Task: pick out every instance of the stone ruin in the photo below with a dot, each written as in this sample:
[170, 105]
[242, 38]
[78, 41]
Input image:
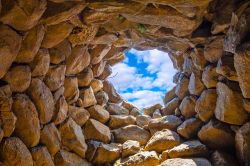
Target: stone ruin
[58, 108]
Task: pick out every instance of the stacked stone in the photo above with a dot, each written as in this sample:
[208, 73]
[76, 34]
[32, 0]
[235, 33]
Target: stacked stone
[58, 108]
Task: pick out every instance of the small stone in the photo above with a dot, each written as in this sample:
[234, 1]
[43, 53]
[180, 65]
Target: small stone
[130, 148]
[189, 128]
[71, 91]
[85, 77]
[40, 65]
[102, 98]
[150, 110]
[220, 158]
[129, 106]
[79, 115]
[187, 107]
[114, 97]
[189, 162]
[5, 98]
[96, 85]
[98, 113]
[117, 121]
[115, 109]
[88, 97]
[8, 121]
[41, 156]
[143, 120]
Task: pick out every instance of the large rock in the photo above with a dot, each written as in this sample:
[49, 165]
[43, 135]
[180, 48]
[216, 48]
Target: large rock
[143, 120]
[171, 106]
[163, 140]
[242, 144]
[114, 97]
[88, 97]
[102, 98]
[79, 115]
[182, 88]
[27, 124]
[71, 91]
[189, 162]
[130, 148]
[205, 105]
[116, 109]
[55, 77]
[187, 106]
[59, 53]
[211, 134]
[107, 71]
[210, 77]
[142, 158]
[220, 158]
[98, 53]
[51, 137]
[169, 95]
[85, 77]
[41, 156]
[61, 111]
[186, 149]
[97, 131]
[8, 51]
[19, 78]
[189, 128]
[96, 85]
[117, 121]
[5, 98]
[43, 100]
[229, 106]
[131, 132]
[195, 85]
[14, 152]
[98, 113]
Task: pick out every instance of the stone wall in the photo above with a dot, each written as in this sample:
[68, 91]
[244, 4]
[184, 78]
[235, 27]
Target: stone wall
[58, 108]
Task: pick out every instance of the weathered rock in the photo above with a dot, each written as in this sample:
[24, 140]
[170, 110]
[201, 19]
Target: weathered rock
[8, 121]
[117, 121]
[98, 68]
[107, 71]
[61, 111]
[171, 106]
[130, 148]
[209, 76]
[195, 85]
[114, 97]
[14, 152]
[55, 77]
[5, 98]
[85, 77]
[143, 120]
[11, 43]
[229, 106]
[97, 131]
[170, 122]
[98, 113]
[73, 138]
[135, 112]
[78, 60]
[41, 156]
[211, 134]
[169, 95]
[102, 98]
[242, 144]
[30, 44]
[182, 88]
[129, 106]
[187, 106]
[115, 109]
[220, 158]
[205, 105]
[156, 114]
[40, 65]
[150, 110]
[131, 132]
[43, 100]
[189, 162]
[71, 91]
[96, 85]
[18, 78]
[143, 158]
[51, 137]
[163, 140]
[213, 49]
[79, 115]
[27, 124]
[189, 128]
[88, 97]
[198, 58]
[60, 52]
[107, 153]
[98, 53]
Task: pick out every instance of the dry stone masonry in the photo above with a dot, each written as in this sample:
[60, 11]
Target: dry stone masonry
[57, 107]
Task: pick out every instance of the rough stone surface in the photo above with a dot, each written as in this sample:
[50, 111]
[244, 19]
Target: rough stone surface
[117, 121]
[88, 97]
[189, 162]
[41, 156]
[130, 148]
[187, 107]
[143, 120]
[115, 109]
[98, 113]
[220, 158]
[79, 115]
[189, 128]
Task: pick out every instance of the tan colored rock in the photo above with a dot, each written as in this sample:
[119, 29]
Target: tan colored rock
[18, 78]
[205, 105]
[186, 149]
[163, 140]
[242, 144]
[189, 162]
[129, 106]
[98, 53]
[187, 106]
[79, 115]
[61, 111]
[107, 153]
[98, 113]
[229, 106]
[220, 158]
[189, 128]
[107, 38]
[30, 44]
[73, 138]
[142, 158]
[135, 112]
[195, 85]
[78, 60]
[170, 122]
[8, 51]
[114, 97]
[8, 121]
[96, 85]
[41, 156]
[171, 106]
[150, 110]
[92, 148]
[55, 34]
[40, 65]
[51, 137]
[131, 132]
[85, 77]
[156, 114]
[88, 97]
[14, 152]
[65, 158]
[55, 77]
[98, 68]
[117, 121]
[27, 124]
[107, 71]
[182, 88]
[211, 134]
[97, 131]
[214, 49]
[198, 58]
[71, 91]
[143, 120]
[130, 148]
[1, 134]
[60, 52]
[210, 77]
[169, 95]
[102, 98]
[5, 98]
[115, 109]
[43, 100]
[246, 104]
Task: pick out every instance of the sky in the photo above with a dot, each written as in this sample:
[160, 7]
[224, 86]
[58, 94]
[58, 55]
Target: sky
[143, 77]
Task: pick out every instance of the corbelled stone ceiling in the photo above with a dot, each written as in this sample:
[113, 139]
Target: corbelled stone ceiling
[58, 108]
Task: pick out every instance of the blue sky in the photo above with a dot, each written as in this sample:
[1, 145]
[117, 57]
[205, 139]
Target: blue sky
[143, 77]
